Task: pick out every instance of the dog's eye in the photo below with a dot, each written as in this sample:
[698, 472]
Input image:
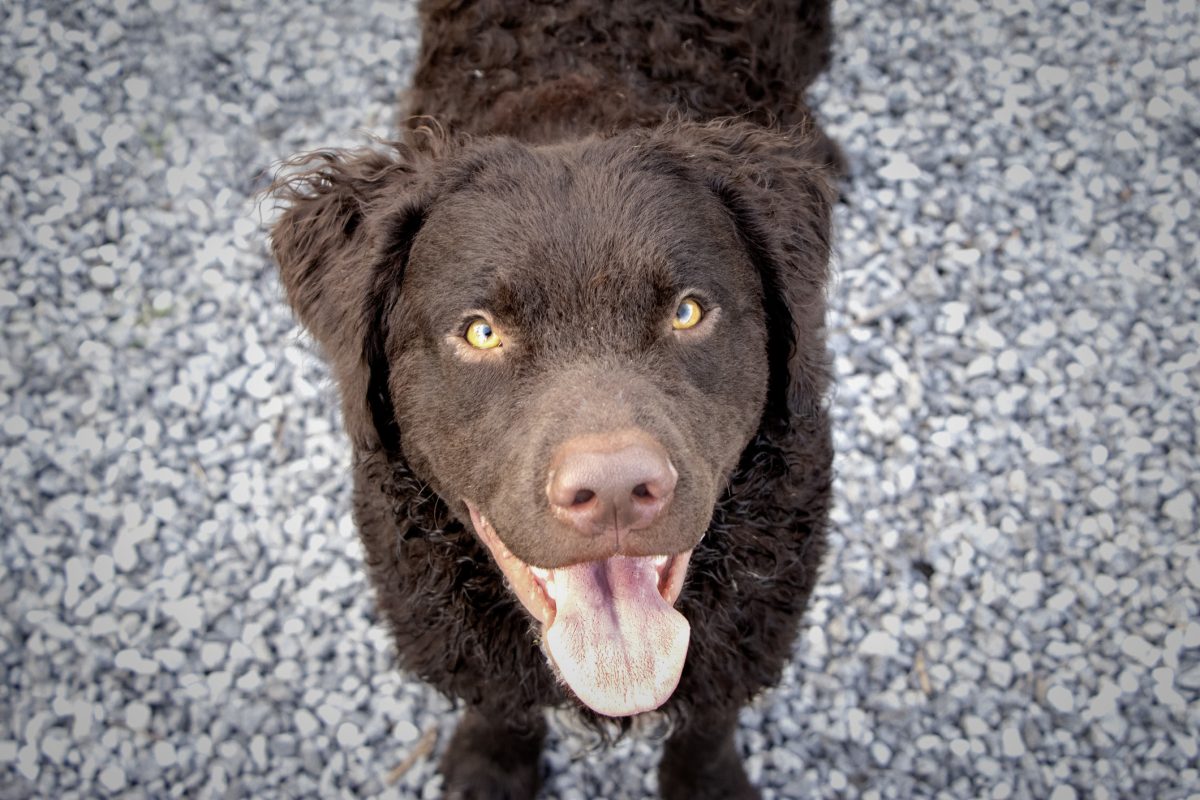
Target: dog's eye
[687, 315]
[480, 335]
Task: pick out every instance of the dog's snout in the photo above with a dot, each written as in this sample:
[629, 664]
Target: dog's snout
[599, 483]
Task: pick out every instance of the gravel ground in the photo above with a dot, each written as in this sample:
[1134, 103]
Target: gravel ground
[1010, 608]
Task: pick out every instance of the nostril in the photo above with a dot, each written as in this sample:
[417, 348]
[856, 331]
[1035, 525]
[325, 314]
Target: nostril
[597, 482]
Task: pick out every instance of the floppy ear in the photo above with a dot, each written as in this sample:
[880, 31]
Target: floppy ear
[778, 188]
[342, 245]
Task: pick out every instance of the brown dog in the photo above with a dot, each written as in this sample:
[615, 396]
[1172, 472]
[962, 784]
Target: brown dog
[579, 342]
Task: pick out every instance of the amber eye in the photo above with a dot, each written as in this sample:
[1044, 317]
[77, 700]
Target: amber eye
[480, 335]
[687, 315]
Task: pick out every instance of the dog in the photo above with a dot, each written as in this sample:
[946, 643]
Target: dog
[576, 316]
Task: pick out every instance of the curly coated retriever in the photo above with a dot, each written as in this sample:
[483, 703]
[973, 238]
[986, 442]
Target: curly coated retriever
[576, 317]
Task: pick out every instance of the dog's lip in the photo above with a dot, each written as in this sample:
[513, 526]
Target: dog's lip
[534, 586]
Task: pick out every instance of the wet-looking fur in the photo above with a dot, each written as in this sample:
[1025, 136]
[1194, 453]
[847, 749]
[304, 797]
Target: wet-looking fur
[581, 166]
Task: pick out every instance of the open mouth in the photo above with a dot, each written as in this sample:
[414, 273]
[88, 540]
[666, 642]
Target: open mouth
[609, 626]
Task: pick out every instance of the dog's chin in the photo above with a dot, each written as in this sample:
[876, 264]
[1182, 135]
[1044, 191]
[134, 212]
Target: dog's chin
[609, 627]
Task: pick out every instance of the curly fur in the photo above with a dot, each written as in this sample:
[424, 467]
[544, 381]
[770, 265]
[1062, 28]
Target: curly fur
[432, 574]
[664, 80]
[496, 67]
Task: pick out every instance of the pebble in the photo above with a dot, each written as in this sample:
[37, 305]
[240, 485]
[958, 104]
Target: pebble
[258, 750]
[137, 716]
[1000, 672]
[112, 778]
[900, 168]
[1125, 141]
[165, 754]
[1180, 507]
[103, 277]
[955, 315]
[1017, 177]
[348, 735]
[405, 732]
[1158, 108]
[306, 723]
[187, 612]
[135, 662]
[879, 643]
[54, 746]
[137, 88]
[981, 365]
[1052, 77]
[212, 654]
[1061, 699]
[1103, 497]
[258, 385]
[1012, 743]
[1138, 648]
[1044, 456]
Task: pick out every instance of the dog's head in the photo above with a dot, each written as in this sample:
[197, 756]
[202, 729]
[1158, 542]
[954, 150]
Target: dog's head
[573, 345]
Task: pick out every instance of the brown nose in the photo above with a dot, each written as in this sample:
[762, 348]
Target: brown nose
[604, 481]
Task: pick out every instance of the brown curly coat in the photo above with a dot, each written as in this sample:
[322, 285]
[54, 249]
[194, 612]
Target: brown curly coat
[704, 94]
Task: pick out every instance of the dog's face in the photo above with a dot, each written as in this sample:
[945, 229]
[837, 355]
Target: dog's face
[621, 314]
[572, 345]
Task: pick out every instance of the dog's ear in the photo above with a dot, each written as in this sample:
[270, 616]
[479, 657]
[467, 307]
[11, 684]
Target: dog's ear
[342, 244]
[778, 189]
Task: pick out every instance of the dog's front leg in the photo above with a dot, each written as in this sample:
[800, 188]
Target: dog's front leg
[700, 762]
[491, 758]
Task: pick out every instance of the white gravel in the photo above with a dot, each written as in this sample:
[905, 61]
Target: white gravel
[1010, 608]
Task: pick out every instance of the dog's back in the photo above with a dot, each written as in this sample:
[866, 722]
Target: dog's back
[545, 71]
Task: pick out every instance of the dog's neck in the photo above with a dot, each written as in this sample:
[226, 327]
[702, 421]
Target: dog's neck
[565, 108]
[546, 108]
[543, 73]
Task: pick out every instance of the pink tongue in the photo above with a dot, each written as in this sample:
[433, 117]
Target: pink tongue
[616, 641]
